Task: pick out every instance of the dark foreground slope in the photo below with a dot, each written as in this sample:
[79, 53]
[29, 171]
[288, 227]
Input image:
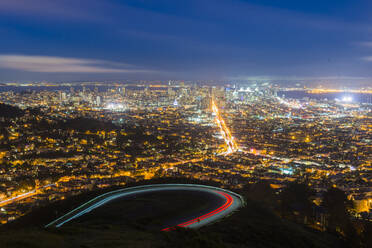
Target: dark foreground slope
[252, 226]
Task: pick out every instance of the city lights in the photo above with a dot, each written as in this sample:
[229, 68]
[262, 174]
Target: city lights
[82, 137]
[115, 106]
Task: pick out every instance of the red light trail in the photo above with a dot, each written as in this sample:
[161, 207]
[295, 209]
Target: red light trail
[232, 202]
[227, 204]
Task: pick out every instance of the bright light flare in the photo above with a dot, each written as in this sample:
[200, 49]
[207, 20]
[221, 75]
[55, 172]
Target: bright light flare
[347, 99]
[115, 106]
[291, 104]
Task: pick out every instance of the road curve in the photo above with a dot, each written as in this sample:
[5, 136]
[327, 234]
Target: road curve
[232, 201]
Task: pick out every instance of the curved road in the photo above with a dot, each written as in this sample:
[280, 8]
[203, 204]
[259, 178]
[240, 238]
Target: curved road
[231, 202]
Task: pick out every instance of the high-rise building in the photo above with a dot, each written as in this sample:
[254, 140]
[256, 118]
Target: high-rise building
[62, 96]
[205, 102]
[171, 92]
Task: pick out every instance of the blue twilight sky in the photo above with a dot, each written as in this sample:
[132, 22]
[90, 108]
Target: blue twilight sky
[175, 39]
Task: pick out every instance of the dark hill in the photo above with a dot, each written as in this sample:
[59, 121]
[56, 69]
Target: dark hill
[8, 111]
[252, 226]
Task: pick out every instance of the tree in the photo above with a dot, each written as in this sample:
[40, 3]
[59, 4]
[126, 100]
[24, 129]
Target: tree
[295, 200]
[367, 234]
[8, 111]
[262, 192]
[337, 205]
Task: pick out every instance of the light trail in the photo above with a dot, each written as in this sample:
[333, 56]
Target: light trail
[23, 196]
[233, 202]
[18, 197]
[232, 146]
[229, 201]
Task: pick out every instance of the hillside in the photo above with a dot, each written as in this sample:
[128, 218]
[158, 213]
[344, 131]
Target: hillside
[252, 226]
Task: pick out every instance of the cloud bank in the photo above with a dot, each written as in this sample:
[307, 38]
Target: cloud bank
[365, 43]
[368, 58]
[48, 64]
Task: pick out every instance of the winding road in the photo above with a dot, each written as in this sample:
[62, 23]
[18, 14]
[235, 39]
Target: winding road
[230, 203]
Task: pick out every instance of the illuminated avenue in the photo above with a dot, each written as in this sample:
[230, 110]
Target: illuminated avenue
[225, 132]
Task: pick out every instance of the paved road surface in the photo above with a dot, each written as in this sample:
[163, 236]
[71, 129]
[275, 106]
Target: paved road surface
[231, 202]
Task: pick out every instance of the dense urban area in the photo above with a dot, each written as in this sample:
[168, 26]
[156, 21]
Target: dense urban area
[61, 140]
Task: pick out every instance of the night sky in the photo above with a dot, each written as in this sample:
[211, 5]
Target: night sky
[174, 39]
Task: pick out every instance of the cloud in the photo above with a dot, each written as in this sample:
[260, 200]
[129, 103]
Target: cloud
[367, 58]
[365, 43]
[62, 65]
[65, 9]
[254, 78]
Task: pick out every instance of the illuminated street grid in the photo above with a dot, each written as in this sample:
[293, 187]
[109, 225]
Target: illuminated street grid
[231, 135]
